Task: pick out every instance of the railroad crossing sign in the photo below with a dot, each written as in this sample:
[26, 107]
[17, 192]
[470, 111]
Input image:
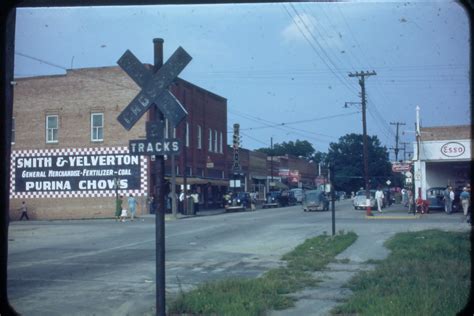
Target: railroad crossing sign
[154, 88]
[155, 143]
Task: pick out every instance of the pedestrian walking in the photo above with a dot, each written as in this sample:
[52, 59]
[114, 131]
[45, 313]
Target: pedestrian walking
[181, 202]
[404, 197]
[24, 211]
[132, 206]
[410, 201]
[118, 208]
[465, 199]
[379, 196]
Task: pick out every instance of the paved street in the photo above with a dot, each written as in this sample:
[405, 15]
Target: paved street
[104, 267]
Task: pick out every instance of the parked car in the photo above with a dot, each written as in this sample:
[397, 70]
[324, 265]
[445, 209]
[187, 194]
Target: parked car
[239, 200]
[315, 200]
[297, 194]
[360, 200]
[435, 198]
[281, 198]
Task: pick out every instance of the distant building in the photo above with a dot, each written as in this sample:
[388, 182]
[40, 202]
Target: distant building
[442, 158]
[69, 151]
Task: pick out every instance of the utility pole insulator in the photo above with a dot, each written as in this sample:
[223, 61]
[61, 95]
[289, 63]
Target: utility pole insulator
[396, 138]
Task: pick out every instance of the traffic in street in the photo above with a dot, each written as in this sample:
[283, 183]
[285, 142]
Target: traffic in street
[105, 267]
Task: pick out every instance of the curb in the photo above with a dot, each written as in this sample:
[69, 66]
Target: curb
[394, 217]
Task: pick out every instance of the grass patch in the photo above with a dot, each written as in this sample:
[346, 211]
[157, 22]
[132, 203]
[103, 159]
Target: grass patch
[427, 273]
[255, 296]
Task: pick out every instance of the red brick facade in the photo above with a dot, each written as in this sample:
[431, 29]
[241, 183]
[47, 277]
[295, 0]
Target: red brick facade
[72, 99]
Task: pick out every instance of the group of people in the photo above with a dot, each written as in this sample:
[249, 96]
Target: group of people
[121, 213]
[464, 196]
[181, 199]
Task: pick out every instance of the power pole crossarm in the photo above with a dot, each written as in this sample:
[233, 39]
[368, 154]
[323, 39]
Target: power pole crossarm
[396, 138]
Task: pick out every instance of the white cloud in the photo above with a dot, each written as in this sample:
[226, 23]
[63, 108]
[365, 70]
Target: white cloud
[305, 27]
[300, 27]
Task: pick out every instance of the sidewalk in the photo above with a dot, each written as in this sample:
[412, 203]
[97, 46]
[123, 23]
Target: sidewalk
[359, 257]
[170, 217]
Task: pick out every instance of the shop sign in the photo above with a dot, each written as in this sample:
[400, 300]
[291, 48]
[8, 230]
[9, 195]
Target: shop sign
[209, 162]
[75, 174]
[400, 167]
[294, 176]
[283, 172]
[453, 149]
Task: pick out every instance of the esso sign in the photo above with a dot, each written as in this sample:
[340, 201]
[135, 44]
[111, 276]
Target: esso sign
[453, 149]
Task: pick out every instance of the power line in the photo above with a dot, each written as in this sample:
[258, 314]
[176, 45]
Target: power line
[302, 121]
[314, 48]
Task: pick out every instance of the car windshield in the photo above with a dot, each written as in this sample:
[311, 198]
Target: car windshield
[362, 193]
[434, 192]
[317, 195]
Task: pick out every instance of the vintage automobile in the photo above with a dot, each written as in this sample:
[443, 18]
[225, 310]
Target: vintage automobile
[435, 198]
[297, 195]
[238, 201]
[315, 200]
[360, 200]
[277, 199]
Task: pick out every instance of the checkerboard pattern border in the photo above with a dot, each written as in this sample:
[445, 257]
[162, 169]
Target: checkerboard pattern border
[76, 152]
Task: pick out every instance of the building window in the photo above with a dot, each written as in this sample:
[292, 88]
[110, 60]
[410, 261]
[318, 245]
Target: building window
[97, 127]
[221, 149]
[187, 134]
[52, 127]
[210, 140]
[199, 137]
[215, 141]
[167, 128]
[13, 130]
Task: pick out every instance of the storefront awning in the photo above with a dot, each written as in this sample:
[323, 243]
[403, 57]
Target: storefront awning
[279, 185]
[259, 178]
[199, 181]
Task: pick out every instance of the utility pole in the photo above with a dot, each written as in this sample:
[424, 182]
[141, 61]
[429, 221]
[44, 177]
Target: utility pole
[396, 139]
[404, 149]
[271, 163]
[362, 76]
[158, 166]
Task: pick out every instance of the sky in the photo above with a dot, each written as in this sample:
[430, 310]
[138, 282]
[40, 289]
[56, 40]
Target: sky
[283, 67]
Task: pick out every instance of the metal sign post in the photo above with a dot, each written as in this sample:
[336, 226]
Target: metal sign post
[154, 84]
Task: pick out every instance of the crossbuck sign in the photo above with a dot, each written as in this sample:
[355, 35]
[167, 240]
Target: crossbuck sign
[154, 88]
[154, 91]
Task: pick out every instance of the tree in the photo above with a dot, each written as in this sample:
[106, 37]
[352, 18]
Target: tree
[298, 148]
[347, 157]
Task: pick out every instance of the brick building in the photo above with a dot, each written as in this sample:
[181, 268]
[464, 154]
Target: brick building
[293, 172]
[70, 155]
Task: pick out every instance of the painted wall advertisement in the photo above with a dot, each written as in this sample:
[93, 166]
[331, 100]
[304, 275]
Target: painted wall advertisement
[93, 172]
